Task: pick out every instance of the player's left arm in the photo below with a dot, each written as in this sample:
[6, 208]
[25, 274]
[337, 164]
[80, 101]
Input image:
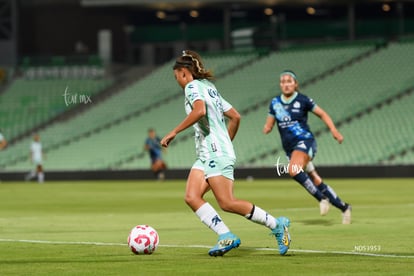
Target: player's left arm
[234, 122]
[329, 123]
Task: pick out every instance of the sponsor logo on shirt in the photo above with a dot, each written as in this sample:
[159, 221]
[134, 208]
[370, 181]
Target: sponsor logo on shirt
[296, 104]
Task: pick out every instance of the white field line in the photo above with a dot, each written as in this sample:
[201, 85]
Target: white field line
[207, 247]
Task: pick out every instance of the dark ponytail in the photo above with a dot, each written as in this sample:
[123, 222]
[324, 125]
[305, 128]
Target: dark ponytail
[192, 61]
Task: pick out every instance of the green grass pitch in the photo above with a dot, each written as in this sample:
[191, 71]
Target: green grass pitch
[80, 228]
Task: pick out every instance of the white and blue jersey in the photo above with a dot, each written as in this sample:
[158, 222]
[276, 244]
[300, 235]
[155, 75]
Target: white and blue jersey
[211, 135]
[292, 120]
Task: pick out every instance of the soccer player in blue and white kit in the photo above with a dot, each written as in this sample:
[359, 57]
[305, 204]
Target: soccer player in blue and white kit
[214, 166]
[290, 111]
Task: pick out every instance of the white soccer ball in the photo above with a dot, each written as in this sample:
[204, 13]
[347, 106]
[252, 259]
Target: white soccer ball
[143, 239]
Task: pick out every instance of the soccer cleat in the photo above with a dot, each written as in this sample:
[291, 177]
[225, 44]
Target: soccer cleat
[282, 235]
[324, 206]
[225, 243]
[346, 215]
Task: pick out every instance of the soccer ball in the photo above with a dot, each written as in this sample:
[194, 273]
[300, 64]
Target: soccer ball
[143, 239]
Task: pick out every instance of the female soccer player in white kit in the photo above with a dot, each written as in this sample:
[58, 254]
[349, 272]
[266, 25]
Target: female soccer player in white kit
[36, 156]
[214, 166]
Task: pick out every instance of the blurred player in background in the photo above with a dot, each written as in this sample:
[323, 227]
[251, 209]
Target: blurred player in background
[214, 166]
[290, 111]
[153, 146]
[3, 141]
[36, 157]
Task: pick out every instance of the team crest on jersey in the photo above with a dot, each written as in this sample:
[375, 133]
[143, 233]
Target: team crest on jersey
[286, 118]
[193, 96]
[296, 104]
[213, 93]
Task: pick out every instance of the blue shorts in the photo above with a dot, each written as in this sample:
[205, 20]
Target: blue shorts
[307, 146]
[219, 166]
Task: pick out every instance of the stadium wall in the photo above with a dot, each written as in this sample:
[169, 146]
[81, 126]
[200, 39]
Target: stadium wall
[263, 173]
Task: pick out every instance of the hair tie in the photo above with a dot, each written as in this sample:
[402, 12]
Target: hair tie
[196, 62]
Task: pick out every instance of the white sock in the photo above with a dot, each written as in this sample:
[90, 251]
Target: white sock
[210, 217]
[262, 217]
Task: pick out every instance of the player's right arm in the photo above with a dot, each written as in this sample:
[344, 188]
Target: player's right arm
[146, 146]
[270, 122]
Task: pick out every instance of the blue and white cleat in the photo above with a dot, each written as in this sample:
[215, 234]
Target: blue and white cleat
[225, 243]
[282, 235]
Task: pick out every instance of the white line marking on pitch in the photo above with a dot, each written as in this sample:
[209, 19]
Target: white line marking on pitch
[205, 246]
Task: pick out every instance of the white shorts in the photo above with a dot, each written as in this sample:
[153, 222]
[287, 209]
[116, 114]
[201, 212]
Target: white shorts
[219, 166]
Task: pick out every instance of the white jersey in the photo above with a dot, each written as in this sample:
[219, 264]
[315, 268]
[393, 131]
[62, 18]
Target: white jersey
[36, 149]
[211, 135]
[1, 137]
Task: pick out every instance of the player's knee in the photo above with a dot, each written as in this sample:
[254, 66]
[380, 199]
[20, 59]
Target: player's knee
[295, 168]
[192, 200]
[188, 199]
[292, 172]
[226, 206]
